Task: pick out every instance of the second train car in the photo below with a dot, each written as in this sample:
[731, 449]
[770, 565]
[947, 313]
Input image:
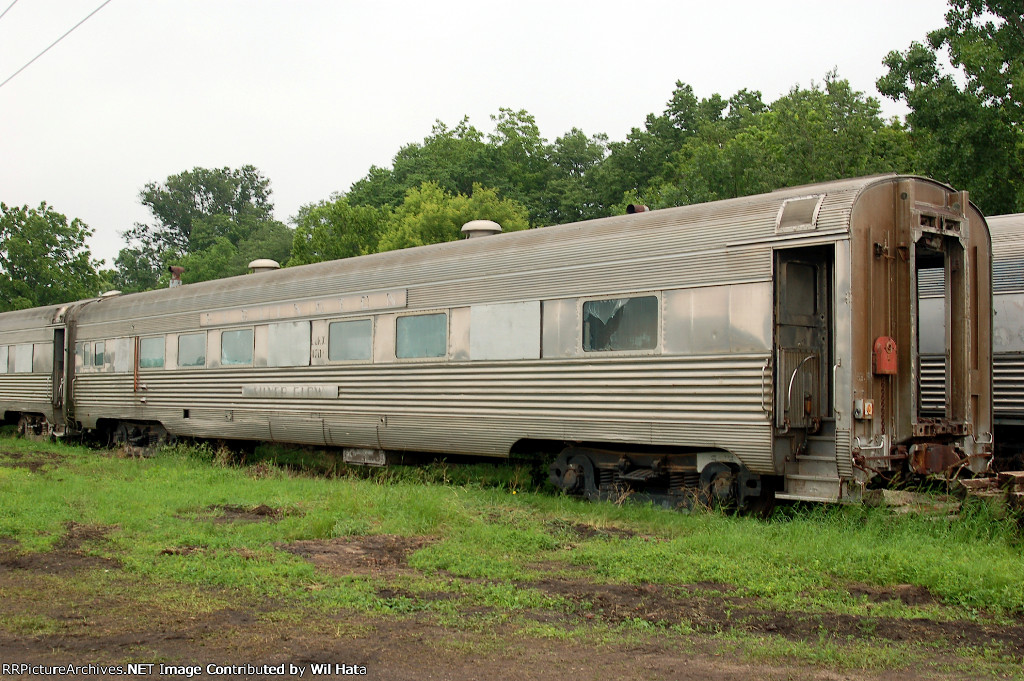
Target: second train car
[734, 350]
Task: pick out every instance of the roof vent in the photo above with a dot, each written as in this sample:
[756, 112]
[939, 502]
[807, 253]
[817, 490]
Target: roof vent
[263, 265]
[175, 271]
[475, 228]
[110, 294]
[798, 213]
[636, 208]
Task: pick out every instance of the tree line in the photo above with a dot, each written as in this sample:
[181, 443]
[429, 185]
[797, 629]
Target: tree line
[965, 128]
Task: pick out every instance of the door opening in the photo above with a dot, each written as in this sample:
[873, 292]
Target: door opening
[803, 337]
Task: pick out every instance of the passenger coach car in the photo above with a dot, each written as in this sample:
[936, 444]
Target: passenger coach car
[1007, 340]
[735, 349]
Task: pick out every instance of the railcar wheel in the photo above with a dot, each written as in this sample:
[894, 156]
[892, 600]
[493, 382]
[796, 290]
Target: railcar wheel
[718, 486]
[119, 435]
[33, 428]
[573, 472]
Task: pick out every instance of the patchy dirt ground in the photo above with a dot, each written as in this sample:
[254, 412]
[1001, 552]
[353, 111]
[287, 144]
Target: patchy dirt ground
[48, 624]
[76, 604]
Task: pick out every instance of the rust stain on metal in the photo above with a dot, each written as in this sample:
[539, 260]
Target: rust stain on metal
[933, 458]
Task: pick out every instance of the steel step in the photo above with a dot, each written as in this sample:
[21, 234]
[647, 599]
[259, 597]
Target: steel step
[805, 497]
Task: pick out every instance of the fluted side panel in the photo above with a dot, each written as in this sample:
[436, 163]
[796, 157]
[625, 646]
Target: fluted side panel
[25, 392]
[1008, 386]
[933, 384]
[1007, 252]
[483, 408]
[844, 453]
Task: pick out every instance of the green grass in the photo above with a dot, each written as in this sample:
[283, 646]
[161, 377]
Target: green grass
[490, 537]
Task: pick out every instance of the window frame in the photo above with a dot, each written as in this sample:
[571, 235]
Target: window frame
[345, 320]
[659, 326]
[262, 340]
[252, 351]
[447, 335]
[177, 350]
[163, 353]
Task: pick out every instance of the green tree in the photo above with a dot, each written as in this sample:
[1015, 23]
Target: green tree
[814, 134]
[136, 269]
[453, 157]
[330, 230]
[430, 215]
[43, 258]
[548, 179]
[568, 195]
[969, 135]
[644, 159]
[202, 213]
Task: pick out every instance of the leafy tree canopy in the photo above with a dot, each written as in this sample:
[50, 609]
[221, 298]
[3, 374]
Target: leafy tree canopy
[330, 230]
[208, 220]
[513, 159]
[970, 135]
[430, 215]
[43, 258]
[824, 132]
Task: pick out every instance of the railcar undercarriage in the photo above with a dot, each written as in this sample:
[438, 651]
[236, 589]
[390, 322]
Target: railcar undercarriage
[665, 477]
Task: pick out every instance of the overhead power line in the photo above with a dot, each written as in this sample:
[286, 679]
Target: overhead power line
[9, 8]
[11, 77]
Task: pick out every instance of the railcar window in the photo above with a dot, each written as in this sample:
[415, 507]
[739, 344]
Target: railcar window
[22, 358]
[350, 341]
[151, 353]
[98, 354]
[424, 335]
[4, 354]
[288, 344]
[192, 350]
[620, 324]
[42, 358]
[236, 347]
[83, 355]
[801, 289]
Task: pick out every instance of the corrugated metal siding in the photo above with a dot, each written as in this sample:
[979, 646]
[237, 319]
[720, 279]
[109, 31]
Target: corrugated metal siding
[25, 392]
[844, 453]
[473, 408]
[1008, 386]
[1007, 253]
[933, 384]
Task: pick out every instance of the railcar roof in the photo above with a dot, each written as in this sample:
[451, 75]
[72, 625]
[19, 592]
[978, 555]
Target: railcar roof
[708, 225]
[1007, 234]
[32, 318]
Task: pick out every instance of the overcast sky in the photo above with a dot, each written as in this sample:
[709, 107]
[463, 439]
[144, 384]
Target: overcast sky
[313, 92]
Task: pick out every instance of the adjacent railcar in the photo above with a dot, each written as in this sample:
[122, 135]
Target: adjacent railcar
[736, 349]
[1008, 336]
[1007, 340]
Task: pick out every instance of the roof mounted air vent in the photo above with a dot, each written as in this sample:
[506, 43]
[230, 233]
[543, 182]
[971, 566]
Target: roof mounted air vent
[475, 228]
[263, 265]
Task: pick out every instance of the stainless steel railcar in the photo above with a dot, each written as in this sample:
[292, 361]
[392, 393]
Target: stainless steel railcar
[1007, 340]
[735, 349]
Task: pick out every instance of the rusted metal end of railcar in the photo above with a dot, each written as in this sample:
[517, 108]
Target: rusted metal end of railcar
[921, 279]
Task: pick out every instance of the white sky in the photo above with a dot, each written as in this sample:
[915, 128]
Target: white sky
[312, 92]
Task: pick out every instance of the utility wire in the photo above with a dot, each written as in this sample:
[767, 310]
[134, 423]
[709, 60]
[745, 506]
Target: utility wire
[9, 8]
[11, 77]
